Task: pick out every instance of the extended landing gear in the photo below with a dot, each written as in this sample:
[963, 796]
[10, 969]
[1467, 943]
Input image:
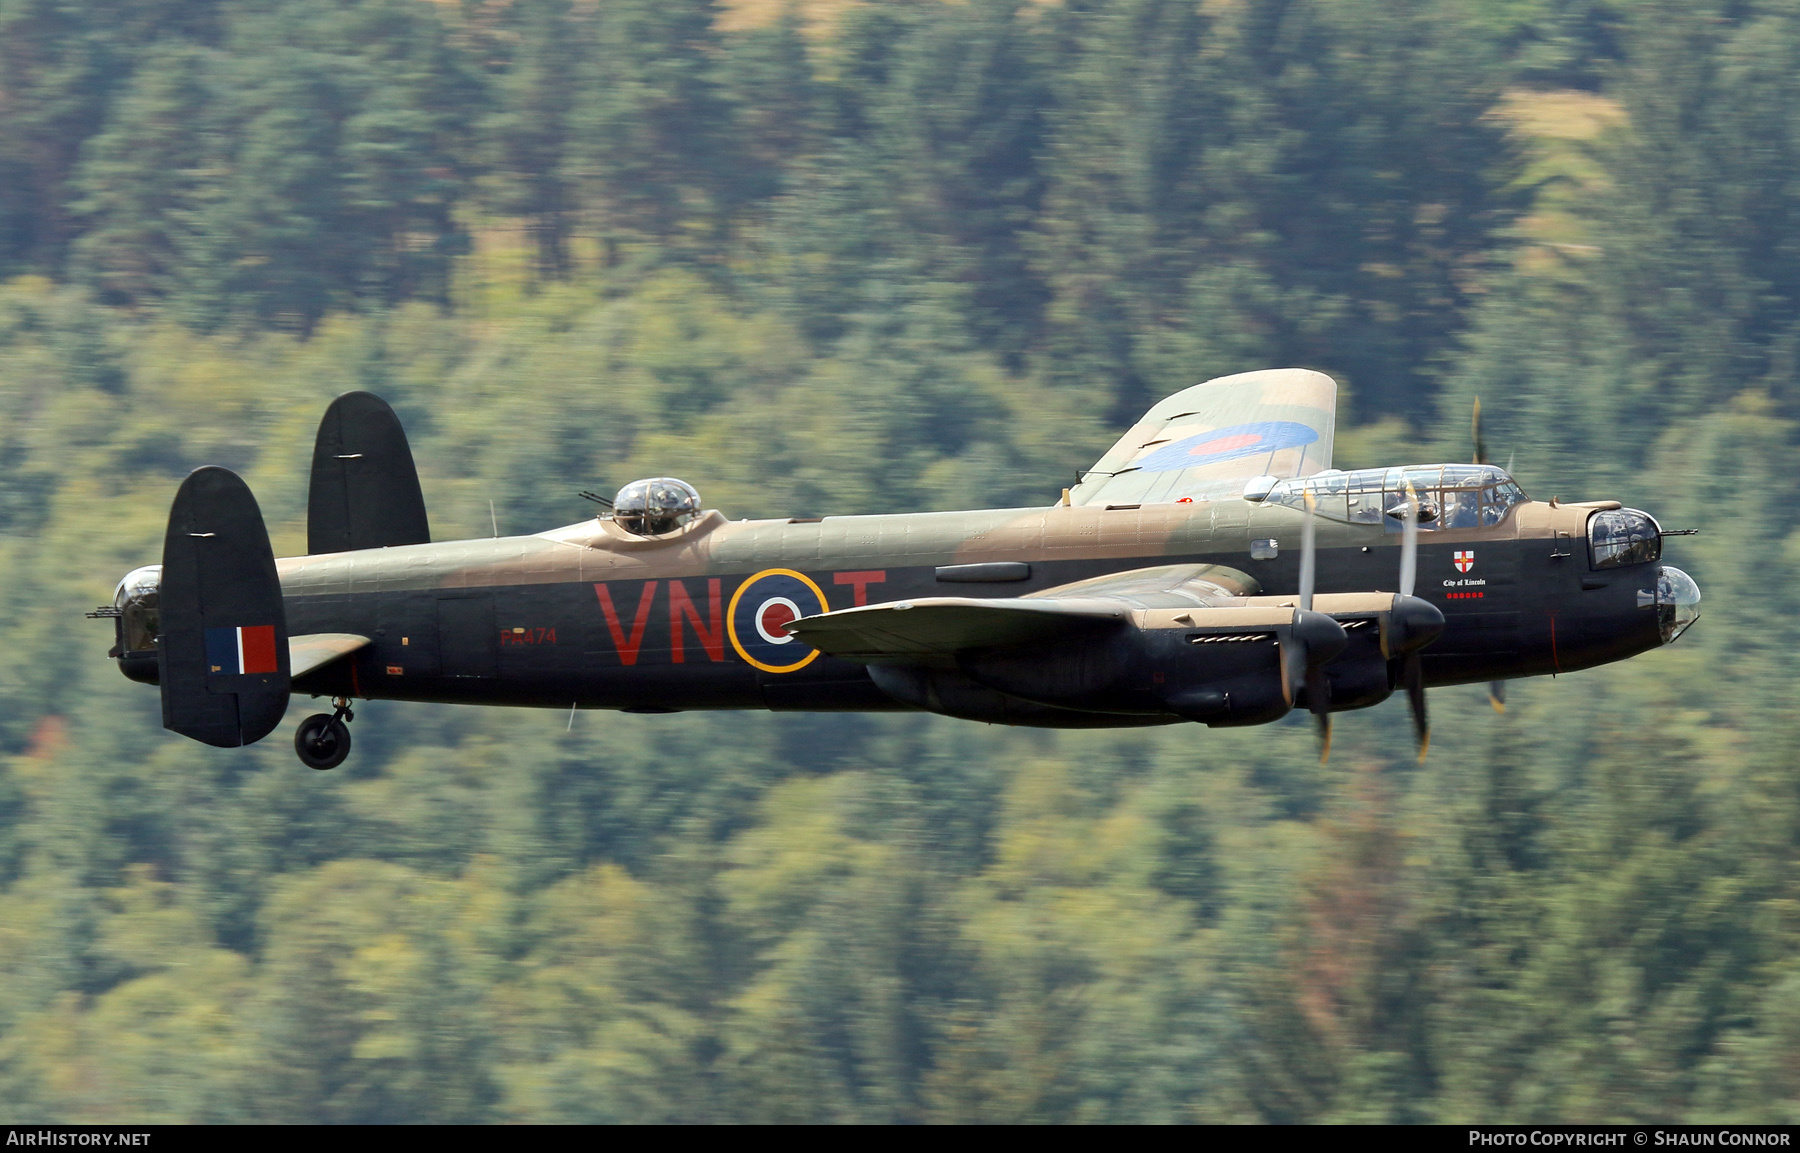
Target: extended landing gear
[324, 741]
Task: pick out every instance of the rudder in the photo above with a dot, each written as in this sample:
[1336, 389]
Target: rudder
[223, 652]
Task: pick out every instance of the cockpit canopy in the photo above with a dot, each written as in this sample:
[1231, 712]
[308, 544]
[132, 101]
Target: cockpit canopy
[656, 506]
[1449, 495]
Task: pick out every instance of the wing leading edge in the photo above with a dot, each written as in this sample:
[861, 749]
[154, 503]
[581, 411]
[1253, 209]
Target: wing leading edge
[1205, 441]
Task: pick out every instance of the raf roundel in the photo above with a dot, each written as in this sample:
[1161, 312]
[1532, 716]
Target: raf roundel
[761, 608]
[1223, 444]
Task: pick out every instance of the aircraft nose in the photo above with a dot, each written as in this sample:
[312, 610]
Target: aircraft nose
[1677, 600]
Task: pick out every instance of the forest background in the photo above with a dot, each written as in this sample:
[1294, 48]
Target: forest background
[840, 257]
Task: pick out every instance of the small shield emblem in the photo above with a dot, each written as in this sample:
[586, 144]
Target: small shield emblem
[1465, 559]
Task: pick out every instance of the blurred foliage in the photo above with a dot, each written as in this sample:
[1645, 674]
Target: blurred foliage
[860, 257]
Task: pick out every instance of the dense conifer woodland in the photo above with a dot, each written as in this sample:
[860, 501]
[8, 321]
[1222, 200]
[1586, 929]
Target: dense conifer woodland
[838, 257]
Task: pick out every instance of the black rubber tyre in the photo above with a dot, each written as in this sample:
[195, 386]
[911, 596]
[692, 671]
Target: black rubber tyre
[322, 741]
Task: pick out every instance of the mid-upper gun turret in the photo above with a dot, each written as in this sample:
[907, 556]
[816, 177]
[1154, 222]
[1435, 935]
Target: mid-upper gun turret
[655, 506]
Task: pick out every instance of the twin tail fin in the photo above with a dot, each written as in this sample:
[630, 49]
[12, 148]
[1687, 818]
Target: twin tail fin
[222, 654]
[365, 488]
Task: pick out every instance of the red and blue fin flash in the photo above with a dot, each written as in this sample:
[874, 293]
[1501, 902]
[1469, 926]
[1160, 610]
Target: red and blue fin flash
[244, 649]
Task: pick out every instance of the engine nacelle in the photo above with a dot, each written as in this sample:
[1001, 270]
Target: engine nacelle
[1245, 663]
[952, 693]
[1361, 676]
[1239, 665]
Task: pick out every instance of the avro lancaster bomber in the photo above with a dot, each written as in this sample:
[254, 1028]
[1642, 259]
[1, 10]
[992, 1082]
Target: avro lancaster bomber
[1212, 567]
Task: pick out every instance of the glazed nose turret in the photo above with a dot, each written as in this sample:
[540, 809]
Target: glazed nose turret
[1677, 600]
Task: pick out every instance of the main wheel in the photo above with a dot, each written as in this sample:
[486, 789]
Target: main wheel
[322, 741]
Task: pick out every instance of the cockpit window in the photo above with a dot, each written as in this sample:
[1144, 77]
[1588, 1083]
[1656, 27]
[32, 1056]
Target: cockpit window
[1496, 499]
[1365, 503]
[1623, 537]
[1461, 508]
[1450, 496]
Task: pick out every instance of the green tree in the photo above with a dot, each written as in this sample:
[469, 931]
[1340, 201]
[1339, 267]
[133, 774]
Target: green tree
[143, 179]
[57, 69]
[530, 135]
[655, 151]
[776, 105]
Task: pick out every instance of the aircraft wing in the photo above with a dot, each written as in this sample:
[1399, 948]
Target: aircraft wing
[932, 629]
[1206, 441]
[316, 650]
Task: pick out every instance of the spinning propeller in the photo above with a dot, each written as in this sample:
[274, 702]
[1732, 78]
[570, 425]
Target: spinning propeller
[1318, 686]
[1412, 667]
[1475, 435]
[1496, 689]
[1409, 626]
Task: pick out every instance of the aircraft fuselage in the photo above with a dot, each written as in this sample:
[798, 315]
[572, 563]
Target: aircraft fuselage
[590, 615]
